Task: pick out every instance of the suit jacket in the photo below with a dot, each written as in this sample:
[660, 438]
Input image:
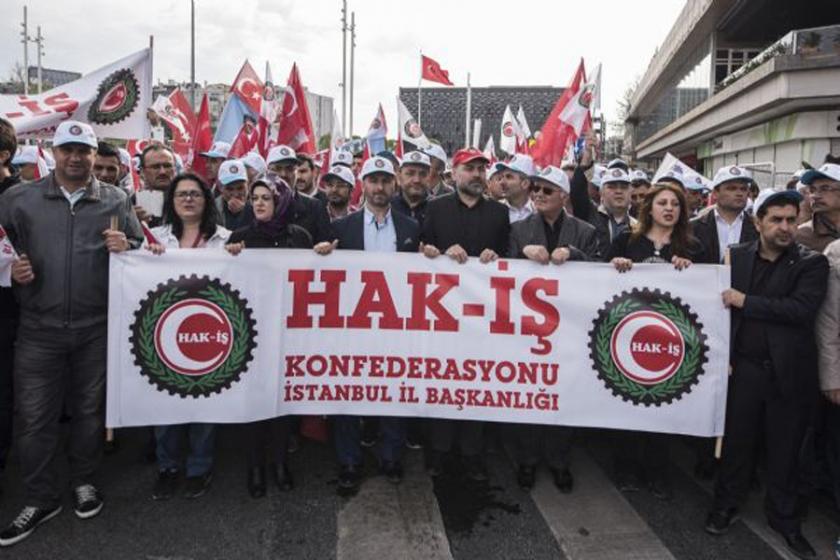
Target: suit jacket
[795, 291]
[312, 216]
[350, 232]
[575, 234]
[704, 228]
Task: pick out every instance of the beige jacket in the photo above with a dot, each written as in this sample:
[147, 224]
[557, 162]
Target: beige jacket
[828, 323]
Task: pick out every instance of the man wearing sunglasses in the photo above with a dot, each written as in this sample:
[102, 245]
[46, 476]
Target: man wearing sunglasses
[549, 236]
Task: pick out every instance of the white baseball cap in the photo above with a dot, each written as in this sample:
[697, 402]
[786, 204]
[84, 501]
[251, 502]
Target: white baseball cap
[281, 153]
[341, 172]
[731, 173]
[25, 155]
[125, 157]
[255, 161]
[217, 150]
[555, 176]
[493, 169]
[437, 152]
[341, 157]
[75, 132]
[377, 164]
[619, 163]
[830, 171]
[695, 182]
[766, 195]
[615, 175]
[598, 172]
[673, 174]
[416, 158]
[639, 176]
[521, 164]
[232, 170]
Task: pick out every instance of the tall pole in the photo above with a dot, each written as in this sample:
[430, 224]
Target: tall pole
[419, 94]
[343, 66]
[352, 67]
[469, 110]
[25, 41]
[192, 54]
[39, 41]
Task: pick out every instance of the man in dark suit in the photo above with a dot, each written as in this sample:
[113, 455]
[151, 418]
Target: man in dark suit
[727, 222]
[549, 236]
[777, 289]
[462, 225]
[373, 228]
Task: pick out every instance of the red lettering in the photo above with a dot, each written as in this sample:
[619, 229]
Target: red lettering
[303, 298]
[293, 366]
[502, 323]
[375, 298]
[421, 301]
[550, 315]
[61, 103]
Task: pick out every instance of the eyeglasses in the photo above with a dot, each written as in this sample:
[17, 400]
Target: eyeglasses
[263, 197]
[547, 191]
[822, 189]
[183, 195]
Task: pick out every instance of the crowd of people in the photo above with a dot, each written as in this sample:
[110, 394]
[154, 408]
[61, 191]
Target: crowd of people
[784, 388]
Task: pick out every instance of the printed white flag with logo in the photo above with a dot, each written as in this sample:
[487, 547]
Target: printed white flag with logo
[196, 335]
[509, 132]
[672, 164]
[410, 130]
[113, 100]
[575, 112]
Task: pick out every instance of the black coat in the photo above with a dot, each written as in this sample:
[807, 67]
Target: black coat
[575, 234]
[444, 225]
[795, 291]
[312, 216]
[350, 232]
[292, 237]
[704, 229]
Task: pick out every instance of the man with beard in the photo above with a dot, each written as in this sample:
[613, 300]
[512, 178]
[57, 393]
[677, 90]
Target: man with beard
[461, 225]
[305, 179]
[777, 288]
[375, 228]
[437, 187]
[106, 168]
[306, 212]
[639, 187]
[413, 195]
[339, 182]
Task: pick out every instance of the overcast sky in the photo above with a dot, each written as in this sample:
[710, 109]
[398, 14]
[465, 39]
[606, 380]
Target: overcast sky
[498, 42]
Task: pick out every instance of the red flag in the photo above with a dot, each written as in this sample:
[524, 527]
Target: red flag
[555, 135]
[179, 117]
[269, 114]
[433, 72]
[248, 87]
[135, 148]
[246, 141]
[295, 122]
[202, 138]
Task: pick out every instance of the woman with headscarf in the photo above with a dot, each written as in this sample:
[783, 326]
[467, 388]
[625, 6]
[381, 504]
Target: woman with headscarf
[267, 440]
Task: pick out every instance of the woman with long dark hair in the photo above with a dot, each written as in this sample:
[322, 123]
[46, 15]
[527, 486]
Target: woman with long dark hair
[190, 222]
[661, 235]
[267, 440]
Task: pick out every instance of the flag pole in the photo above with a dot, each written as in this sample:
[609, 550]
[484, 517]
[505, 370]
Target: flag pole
[419, 90]
[192, 54]
[343, 66]
[469, 110]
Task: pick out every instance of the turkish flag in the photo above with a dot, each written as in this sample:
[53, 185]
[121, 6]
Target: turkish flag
[433, 72]
[295, 122]
[246, 141]
[248, 87]
[555, 134]
[202, 138]
[176, 112]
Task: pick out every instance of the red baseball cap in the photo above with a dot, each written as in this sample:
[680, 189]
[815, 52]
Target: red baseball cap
[467, 155]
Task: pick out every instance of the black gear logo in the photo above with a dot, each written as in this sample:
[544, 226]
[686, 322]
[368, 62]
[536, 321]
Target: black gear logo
[237, 337]
[122, 84]
[686, 357]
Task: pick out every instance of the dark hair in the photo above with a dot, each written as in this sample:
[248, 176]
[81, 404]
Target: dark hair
[8, 140]
[105, 149]
[680, 236]
[154, 147]
[778, 202]
[306, 159]
[210, 216]
[829, 158]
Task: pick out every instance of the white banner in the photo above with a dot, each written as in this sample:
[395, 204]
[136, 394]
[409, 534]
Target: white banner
[200, 336]
[113, 100]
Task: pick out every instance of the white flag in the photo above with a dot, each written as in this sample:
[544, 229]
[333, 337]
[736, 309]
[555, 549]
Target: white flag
[523, 124]
[509, 132]
[490, 149]
[410, 130]
[575, 112]
[113, 100]
[476, 134]
[671, 165]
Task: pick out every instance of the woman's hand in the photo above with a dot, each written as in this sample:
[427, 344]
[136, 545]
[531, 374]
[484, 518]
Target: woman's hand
[235, 248]
[156, 248]
[621, 264]
[680, 263]
[326, 247]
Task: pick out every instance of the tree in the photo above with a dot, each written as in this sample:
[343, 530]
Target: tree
[623, 106]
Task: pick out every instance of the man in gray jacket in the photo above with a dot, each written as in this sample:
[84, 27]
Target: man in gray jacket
[64, 227]
[549, 236]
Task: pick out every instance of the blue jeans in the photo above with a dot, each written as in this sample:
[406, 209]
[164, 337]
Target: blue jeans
[348, 436]
[202, 440]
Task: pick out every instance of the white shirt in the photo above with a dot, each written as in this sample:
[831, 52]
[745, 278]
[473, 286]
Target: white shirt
[167, 238]
[517, 214]
[728, 234]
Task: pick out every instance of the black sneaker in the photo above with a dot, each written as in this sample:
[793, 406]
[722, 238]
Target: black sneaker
[197, 486]
[796, 543]
[283, 477]
[167, 483]
[719, 521]
[25, 523]
[87, 501]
